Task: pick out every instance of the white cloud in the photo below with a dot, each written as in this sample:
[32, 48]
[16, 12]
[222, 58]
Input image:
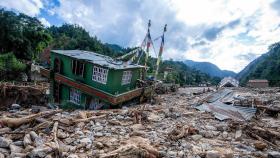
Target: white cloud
[29, 7]
[45, 22]
[232, 43]
[237, 30]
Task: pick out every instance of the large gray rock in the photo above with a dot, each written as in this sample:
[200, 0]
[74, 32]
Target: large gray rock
[172, 153]
[98, 134]
[73, 156]
[86, 142]
[15, 106]
[27, 140]
[5, 142]
[273, 154]
[238, 135]
[210, 128]
[18, 155]
[15, 149]
[196, 137]
[61, 134]
[213, 154]
[4, 151]
[40, 152]
[5, 129]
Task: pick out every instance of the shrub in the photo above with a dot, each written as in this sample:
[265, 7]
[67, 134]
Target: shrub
[9, 63]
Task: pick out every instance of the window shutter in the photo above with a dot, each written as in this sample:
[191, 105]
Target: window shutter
[83, 68]
[73, 66]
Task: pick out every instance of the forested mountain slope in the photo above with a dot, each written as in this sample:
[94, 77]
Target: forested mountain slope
[209, 68]
[266, 66]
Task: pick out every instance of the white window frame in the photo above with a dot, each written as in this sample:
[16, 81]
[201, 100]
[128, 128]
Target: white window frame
[96, 104]
[99, 74]
[126, 77]
[75, 96]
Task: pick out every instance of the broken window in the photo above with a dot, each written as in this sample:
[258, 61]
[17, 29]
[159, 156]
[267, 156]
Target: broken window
[126, 78]
[56, 92]
[99, 74]
[75, 96]
[95, 104]
[78, 67]
[56, 65]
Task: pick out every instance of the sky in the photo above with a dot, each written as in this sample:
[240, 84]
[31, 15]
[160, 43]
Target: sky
[228, 33]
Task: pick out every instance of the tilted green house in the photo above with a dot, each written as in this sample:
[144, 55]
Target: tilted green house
[87, 80]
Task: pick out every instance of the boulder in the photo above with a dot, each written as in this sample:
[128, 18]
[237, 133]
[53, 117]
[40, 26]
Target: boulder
[5, 129]
[99, 145]
[73, 156]
[86, 142]
[273, 154]
[15, 149]
[27, 140]
[5, 142]
[196, 137]
[238, 135]
[61, 134]
[40, 152]
[15, 106]
[213, 154]
[260, 145]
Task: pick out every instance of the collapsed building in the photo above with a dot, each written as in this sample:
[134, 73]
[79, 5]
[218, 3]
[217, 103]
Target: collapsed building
[229, 82]
[258, 83]
[88, 80]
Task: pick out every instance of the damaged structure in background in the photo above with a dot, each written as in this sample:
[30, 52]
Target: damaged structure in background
[229, 82]
[25, 94]
[258, 83]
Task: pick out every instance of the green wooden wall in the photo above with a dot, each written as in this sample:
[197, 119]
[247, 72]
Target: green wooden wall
[114, 78]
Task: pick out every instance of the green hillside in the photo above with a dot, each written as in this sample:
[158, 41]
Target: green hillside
[266, 66]
[24, 38]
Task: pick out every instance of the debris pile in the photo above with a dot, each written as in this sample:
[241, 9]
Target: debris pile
[25, 94]
[172, 127]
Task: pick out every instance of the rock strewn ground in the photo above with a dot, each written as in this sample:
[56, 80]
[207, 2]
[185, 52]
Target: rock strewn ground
[170, 128]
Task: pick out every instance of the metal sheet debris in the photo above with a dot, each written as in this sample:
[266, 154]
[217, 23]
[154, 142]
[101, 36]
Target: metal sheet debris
[223, 111]
[221, 104]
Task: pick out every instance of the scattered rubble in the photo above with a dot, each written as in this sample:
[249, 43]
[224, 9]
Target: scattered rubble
[172, 127]
[22, 94]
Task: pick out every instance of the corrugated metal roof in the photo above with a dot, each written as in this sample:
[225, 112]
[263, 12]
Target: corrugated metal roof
[229, 80]
[98, 59]
[218, 95]
[223, 111]
[215, 104]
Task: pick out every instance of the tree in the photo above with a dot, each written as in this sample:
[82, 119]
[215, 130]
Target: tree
[23, 35]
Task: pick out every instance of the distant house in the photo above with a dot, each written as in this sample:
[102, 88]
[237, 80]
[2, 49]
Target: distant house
[258, 83]
[229, 82]
[87, 80]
